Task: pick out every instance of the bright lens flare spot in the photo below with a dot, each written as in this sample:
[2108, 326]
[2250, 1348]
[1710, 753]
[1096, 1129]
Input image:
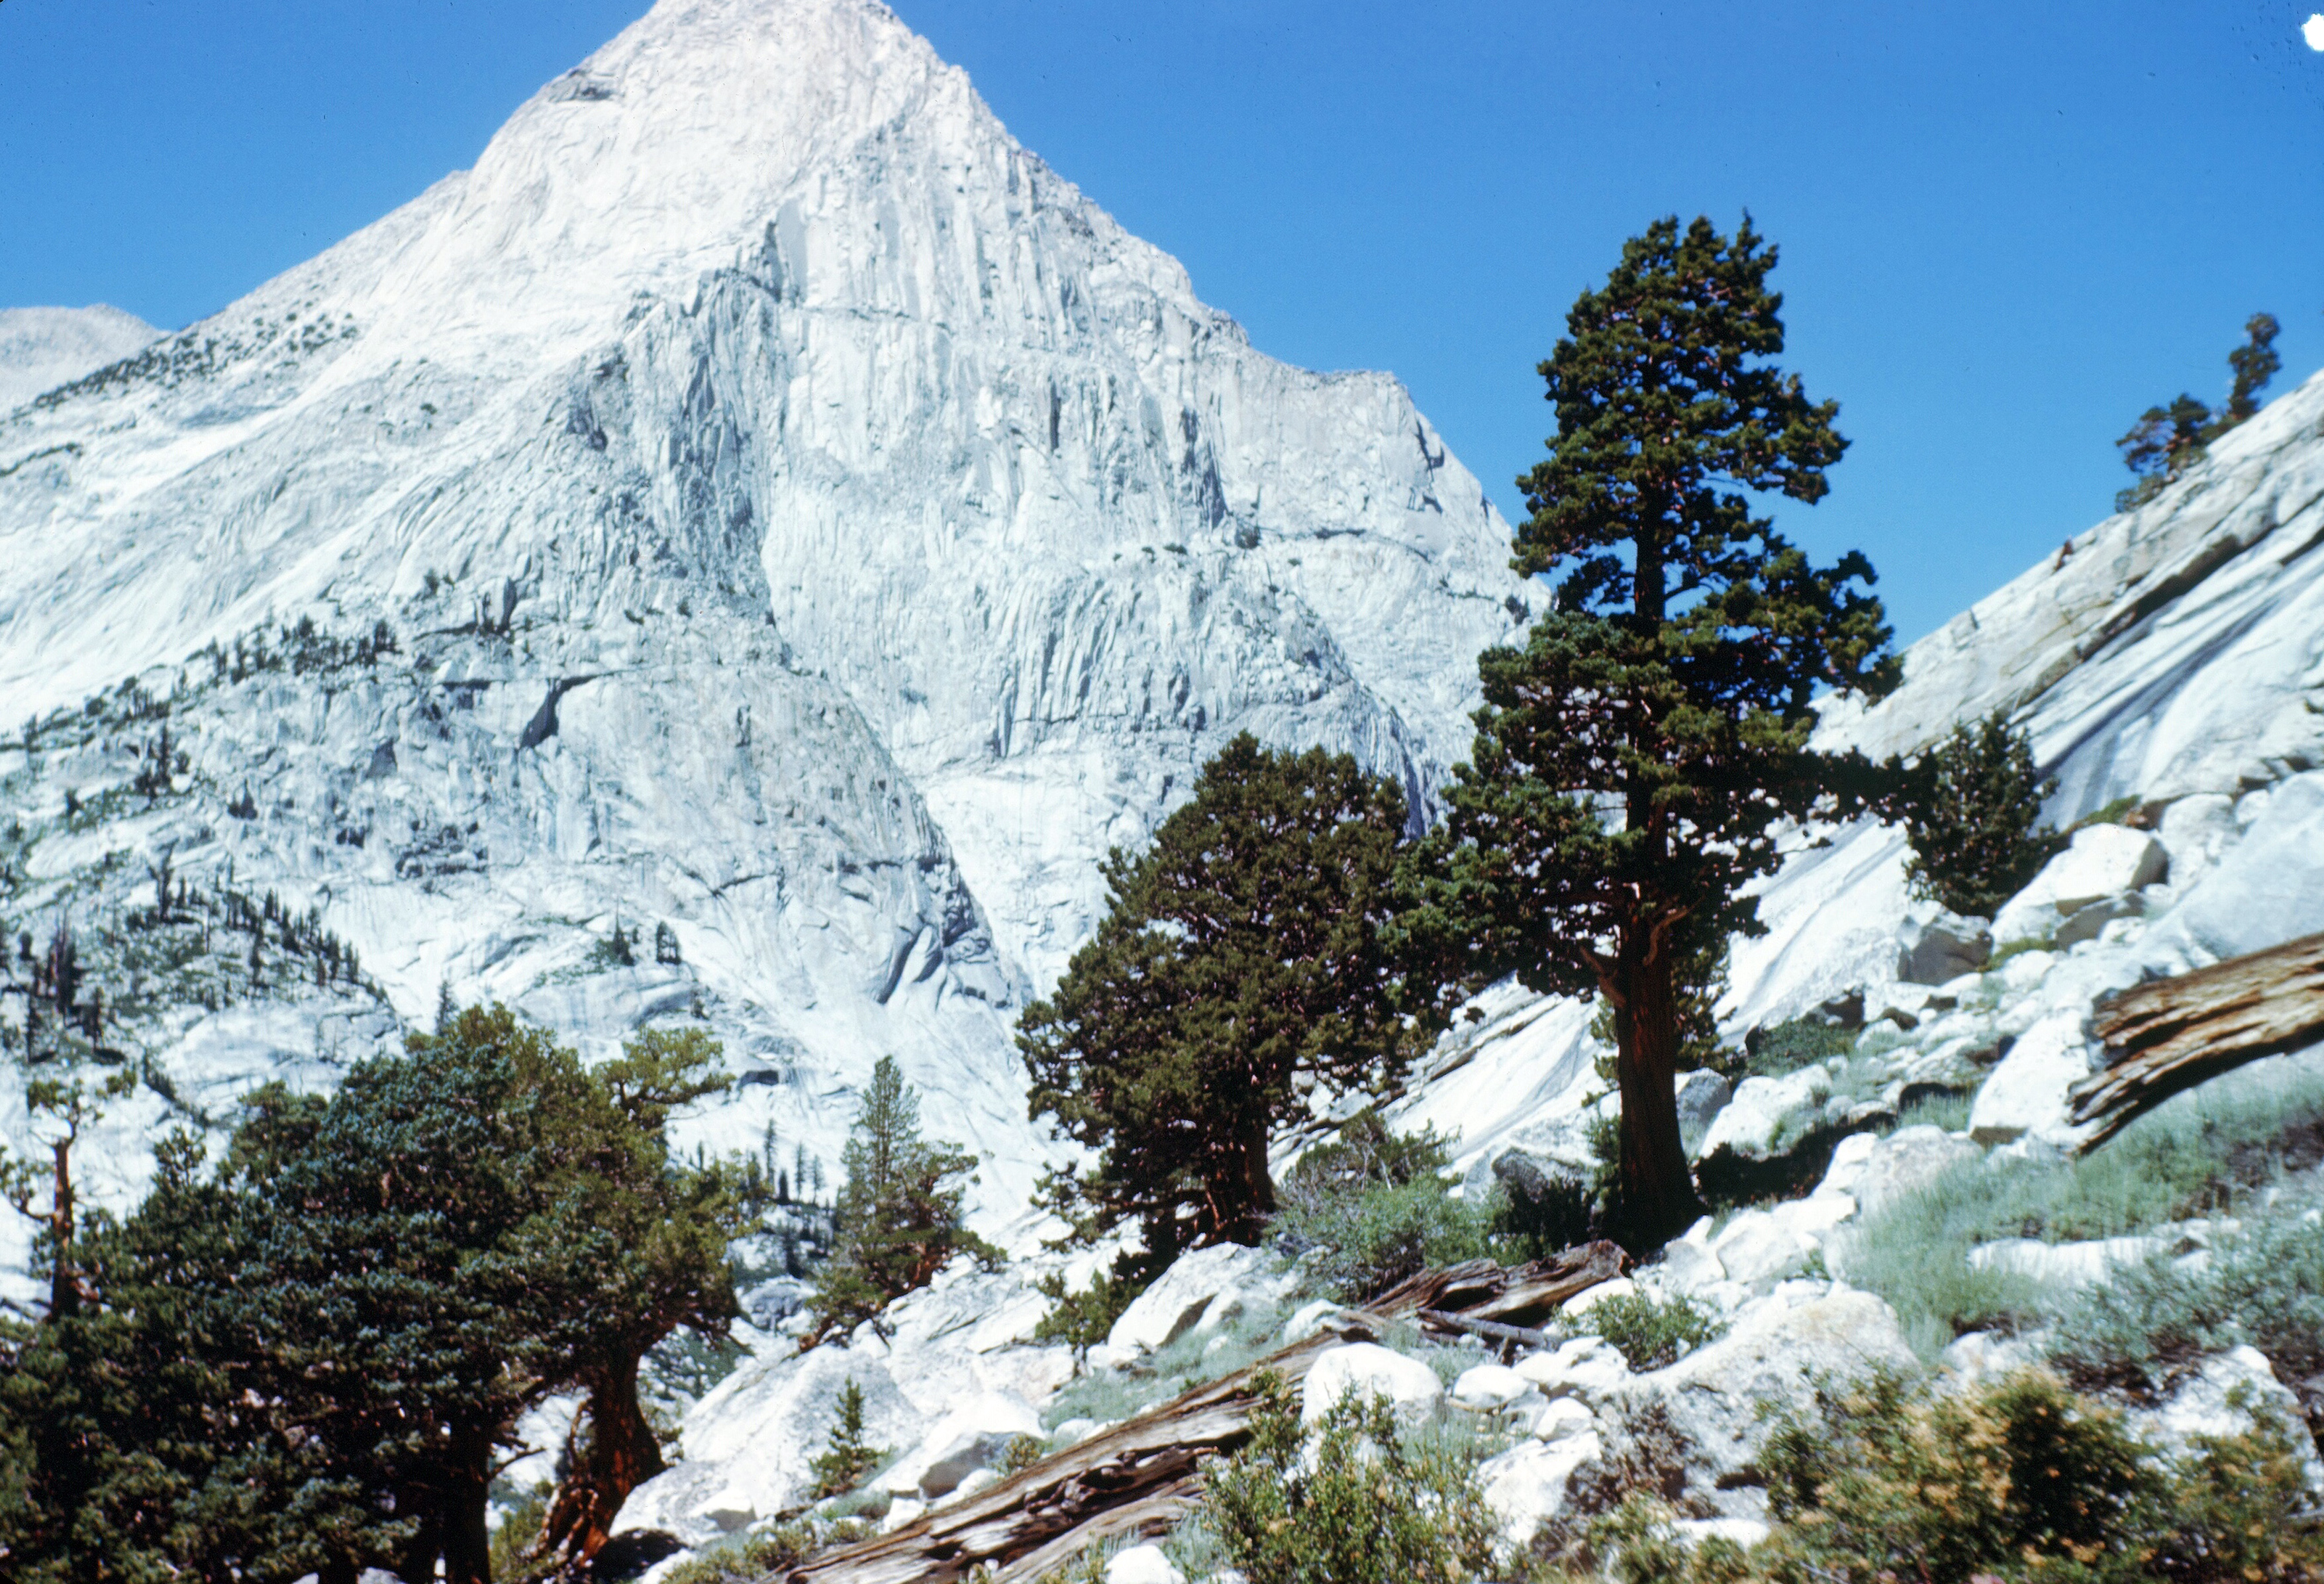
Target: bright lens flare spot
[2312, 30]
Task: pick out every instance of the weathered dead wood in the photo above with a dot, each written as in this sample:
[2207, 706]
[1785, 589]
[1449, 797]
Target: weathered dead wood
[2168, 1035]
[1437, 1320]
[1111, 1483]
[1513, 1295]
[1140, 1476]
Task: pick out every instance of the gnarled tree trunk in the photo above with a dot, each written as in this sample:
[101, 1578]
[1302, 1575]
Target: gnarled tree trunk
[623, 1453]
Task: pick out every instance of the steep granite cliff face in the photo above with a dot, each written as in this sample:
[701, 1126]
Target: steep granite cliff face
[801, 519]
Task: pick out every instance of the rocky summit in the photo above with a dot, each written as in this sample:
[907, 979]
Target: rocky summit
[800, 524]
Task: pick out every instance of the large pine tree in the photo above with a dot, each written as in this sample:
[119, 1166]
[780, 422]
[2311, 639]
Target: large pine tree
[1245, 947]
[1634, 761]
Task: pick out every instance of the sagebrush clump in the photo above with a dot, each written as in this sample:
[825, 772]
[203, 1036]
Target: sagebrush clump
[1368, 1209]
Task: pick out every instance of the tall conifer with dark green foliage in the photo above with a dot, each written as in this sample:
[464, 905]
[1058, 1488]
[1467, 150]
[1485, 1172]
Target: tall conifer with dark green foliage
[1245, 946]
[1970, 809]
[1634, 761]
[900, 1216]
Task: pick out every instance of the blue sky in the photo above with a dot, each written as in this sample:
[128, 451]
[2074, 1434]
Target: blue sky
[2006, 228]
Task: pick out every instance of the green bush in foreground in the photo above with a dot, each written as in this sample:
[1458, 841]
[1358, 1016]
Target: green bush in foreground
[1368, 1210]
[2020, 1481]
[1650, 1335]
[1360, 1502]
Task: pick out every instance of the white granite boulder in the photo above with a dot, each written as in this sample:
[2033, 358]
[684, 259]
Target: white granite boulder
[1141, 1564]
[2026, 1093]
[1589, 1368]
[1939, 950]
[1776, 1351]
[974, 1435]
[1488, 1388]
[2219, 1398]
[1202, 1288]
[2102, 862]
[1531, 1483]
[1368, 1370]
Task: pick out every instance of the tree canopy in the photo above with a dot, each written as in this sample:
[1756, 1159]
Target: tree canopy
[311, 1358]
[1970, 809]
[1635, 761]
[1248, 945]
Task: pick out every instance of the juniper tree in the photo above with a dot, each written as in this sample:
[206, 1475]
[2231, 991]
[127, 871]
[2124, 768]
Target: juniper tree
[1635, 761]
[1971, 812]
[1247, 947]
[899, 1213]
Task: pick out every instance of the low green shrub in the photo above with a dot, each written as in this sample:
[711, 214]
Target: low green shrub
[2263, 1286]
[1649, 1334]
[1084, 1319]
[751, 1559]
[2019, 1481]
[1786, 1047]
[1021, 1453]
[848, 1458]
[1193, 1359]
[1366, 1212]
[1360, 1502]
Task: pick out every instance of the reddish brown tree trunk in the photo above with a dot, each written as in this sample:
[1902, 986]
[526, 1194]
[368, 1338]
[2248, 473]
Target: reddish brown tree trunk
[1656, 1188]
[622, 1454]
[1254, 1191]
[64, 1286]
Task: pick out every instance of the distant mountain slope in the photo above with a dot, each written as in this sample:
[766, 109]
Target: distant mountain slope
[803, 521]
[41, 349]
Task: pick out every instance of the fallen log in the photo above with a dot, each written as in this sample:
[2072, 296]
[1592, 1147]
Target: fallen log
[1437, 1320]
[1142, 1476]
[1509, 1295]
[1134, 1479]
[2168, 1035]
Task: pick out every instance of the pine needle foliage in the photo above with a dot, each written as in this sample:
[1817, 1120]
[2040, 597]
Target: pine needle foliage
[848, 1456]
[2169, 439]
[1245, 947]
[899, 1213]
[1635, 761]
[1971, 810]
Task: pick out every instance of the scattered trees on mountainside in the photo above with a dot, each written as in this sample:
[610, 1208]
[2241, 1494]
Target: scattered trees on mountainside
[2169, 439]
[311, 1358]
[900, 1219]
[1634, 761]
[1244, 952]
[1970, 807]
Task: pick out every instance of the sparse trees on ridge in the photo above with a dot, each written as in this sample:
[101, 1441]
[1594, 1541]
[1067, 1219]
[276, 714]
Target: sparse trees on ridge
[2167, 440]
